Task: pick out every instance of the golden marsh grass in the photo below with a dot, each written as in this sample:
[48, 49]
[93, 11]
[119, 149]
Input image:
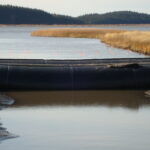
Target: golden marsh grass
[138, 41]
[74, 32]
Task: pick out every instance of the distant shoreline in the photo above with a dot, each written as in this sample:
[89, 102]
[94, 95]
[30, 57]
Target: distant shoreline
[75, 25]
[10, 14]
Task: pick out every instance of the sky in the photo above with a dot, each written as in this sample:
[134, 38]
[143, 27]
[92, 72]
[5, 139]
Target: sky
[81, 7]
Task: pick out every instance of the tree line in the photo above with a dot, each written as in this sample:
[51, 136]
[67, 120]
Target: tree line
[20, 15]
[118, 17]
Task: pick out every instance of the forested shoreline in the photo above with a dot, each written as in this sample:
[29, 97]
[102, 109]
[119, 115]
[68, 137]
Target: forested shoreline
[21, 15]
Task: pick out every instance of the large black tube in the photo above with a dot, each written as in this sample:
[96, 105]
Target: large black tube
[71, 74]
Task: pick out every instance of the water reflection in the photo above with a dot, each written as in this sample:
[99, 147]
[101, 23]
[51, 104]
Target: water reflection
[128, 99]
[5, 101]
[97, 120]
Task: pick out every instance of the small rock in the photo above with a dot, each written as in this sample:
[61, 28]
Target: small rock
[6, 100]
[147, 93]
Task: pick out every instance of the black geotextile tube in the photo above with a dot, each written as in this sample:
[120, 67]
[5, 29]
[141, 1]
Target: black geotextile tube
[73, 76]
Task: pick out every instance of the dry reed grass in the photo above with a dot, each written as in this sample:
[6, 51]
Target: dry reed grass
[74, 32]
[138, 41]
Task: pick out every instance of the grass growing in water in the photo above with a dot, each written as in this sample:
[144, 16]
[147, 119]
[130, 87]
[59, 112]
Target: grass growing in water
[138, 41]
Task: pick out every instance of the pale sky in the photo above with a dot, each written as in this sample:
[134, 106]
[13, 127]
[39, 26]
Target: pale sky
[80, 7]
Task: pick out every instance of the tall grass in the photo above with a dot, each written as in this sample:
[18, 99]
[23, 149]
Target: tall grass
[74, 32]
[138, 41]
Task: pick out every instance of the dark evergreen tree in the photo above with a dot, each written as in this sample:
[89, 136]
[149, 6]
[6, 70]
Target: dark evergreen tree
[118, 17]
[19, 15]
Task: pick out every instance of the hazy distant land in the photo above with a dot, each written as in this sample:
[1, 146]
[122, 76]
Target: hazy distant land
[20, 15]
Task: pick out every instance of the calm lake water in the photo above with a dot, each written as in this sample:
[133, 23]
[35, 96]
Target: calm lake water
[78, 120]
[17, 42]
[70, 120]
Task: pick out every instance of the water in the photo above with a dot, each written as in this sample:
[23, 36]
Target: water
[83, 120]
[5, 101]
[17, 42]
[76, 120]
